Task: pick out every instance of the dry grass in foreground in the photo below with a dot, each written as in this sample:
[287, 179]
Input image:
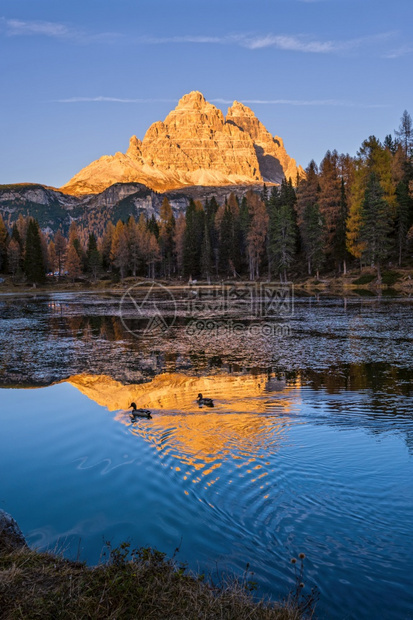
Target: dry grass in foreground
[140, 586]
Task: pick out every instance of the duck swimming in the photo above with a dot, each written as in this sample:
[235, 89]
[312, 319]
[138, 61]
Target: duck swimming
[208, 402]
[139, 413]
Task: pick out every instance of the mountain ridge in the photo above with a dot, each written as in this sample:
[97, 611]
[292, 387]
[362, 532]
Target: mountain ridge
[54, 209]
[194, 146]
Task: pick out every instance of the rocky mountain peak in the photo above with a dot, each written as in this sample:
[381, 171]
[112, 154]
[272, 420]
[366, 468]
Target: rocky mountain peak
[194, 145]
[193, 100]
[134, 150]
[193, 110]
[239, 109]
[242, 116]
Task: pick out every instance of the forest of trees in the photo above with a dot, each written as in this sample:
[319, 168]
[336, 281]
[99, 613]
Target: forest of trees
[348, 211]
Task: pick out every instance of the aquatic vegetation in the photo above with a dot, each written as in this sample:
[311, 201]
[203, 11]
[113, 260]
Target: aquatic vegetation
[366, 278]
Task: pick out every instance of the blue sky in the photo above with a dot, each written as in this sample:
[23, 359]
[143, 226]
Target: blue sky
[80, 77]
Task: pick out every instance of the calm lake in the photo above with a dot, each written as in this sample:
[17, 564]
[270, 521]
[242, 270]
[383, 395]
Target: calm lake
[309, 447]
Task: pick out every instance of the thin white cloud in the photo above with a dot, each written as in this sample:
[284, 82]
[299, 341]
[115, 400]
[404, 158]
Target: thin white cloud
[18, 27]
[54, 30]
[302, 43]
[296, 43]
[286, 42]
[307, 44]
[184, 39]
[290, 102]
[111, 100]
[399, 52]
[290, 43]
[305, 102]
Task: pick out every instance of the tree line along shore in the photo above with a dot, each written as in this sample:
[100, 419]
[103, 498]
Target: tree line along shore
[349, 213]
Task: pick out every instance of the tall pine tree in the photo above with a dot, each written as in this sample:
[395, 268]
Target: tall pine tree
[329, 200]
[166, 237]
[282, 239]
[4, 237]
[340, 242]
[313, 238]
[94, 261]
[372, 157]
[375, 224]
[34, 267]
[405, 134]
[193, 235]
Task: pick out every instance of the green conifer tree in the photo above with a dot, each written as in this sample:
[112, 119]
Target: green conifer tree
[193, 235]
[211, 207]
[34, 267]
[390, 144]
[244, 223]
[153, 226]
[166, 238]
[15, 236]
[375, 224]
[4, 239]
[206, 255]
[93, 258]
[313, 238]
[282, 239]
[225, 241]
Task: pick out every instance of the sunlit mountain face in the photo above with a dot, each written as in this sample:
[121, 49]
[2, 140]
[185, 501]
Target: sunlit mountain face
[194, 145]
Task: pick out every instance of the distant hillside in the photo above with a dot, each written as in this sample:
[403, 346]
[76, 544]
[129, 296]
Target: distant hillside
[54, 209]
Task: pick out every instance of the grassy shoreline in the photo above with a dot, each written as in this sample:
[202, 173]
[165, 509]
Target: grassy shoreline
[143, 584]
[398, 280]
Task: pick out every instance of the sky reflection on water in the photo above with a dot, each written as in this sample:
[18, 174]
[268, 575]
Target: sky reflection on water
[309, 449]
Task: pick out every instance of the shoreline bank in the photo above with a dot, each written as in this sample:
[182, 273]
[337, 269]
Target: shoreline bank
[398, 281]
[140, 583]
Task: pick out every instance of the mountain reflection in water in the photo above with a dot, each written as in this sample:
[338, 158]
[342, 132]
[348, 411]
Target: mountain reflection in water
[239, 393]
[202, 438]
[337, 396]
[198, 445]
[309, 446]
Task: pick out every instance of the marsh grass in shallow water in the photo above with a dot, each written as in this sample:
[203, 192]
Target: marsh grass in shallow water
[365, 278]
[390, 277]
[297, 598]
[141, 583]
